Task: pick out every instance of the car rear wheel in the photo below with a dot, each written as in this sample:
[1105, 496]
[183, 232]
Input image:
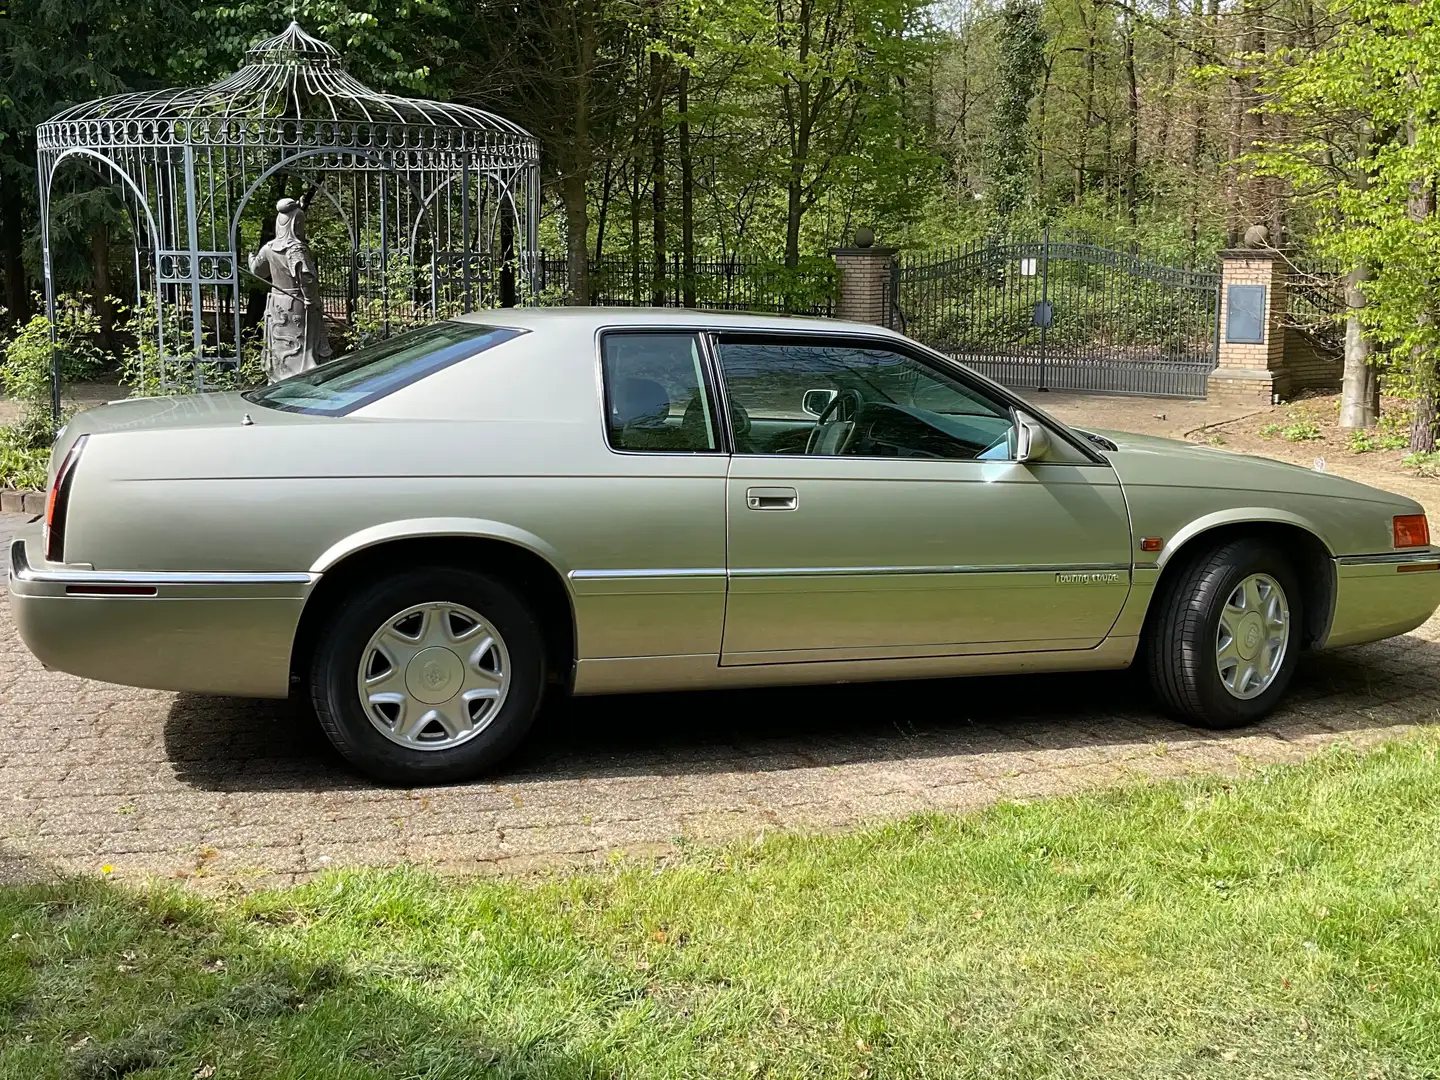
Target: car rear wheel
[430, 676]
[1225, 638]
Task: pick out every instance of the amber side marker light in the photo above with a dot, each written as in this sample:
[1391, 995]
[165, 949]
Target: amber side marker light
[1412, 530]
[1152, 543]
[58, 504]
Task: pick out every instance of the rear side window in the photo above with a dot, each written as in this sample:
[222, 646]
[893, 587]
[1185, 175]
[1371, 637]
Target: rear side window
[369, 374]
[656, 400]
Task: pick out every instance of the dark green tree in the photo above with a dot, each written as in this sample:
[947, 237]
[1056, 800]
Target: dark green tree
[1010, 148]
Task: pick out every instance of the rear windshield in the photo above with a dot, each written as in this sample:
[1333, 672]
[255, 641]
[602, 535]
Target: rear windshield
[369, 374]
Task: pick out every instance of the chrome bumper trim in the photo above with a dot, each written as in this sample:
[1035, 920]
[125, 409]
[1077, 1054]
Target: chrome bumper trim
[1414, 555]
[21, 570]
[913, 571]
[624, 575]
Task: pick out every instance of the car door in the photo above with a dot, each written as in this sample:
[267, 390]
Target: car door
[908, 528]
[652, 518]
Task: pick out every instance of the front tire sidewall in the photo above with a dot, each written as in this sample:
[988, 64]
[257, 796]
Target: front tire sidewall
[348, 631]
[1222, 708]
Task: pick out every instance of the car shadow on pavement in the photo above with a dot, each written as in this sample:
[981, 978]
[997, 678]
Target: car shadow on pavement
[236, 745]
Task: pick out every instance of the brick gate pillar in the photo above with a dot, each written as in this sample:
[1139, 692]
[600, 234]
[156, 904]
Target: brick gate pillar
[1253, 304]
[864, 272]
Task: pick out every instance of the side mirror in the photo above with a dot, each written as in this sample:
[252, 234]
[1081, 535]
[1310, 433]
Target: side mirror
[815, 402]
[1032, 441]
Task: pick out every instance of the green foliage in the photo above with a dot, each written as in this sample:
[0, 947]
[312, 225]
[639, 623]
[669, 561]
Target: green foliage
[1423, 462]
[1364, 441]
[1365, 107]
[140, 371]
[397, 46]
[1269, 431]
[25, 377]
[1278, 925]
[22, 467]
[1011, 147]
[1303, 430]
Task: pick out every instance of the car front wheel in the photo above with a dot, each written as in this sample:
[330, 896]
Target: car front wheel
[1225, 637]
[433, 675]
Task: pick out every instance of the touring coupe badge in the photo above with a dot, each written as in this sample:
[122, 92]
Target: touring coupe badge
[1107, 577]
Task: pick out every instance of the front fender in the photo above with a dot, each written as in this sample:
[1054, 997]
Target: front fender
[1237, 515]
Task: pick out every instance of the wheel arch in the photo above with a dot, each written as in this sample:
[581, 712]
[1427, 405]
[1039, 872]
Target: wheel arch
[1311, 556]
[523, 560]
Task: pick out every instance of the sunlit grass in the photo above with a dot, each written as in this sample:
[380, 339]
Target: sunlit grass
[1284, 925]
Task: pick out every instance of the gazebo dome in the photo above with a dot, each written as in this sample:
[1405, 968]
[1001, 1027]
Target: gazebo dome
[421, 208]
[292, 91]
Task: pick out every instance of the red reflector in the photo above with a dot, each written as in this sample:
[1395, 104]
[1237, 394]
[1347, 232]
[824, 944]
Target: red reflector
[1152, 543]
[1412, 530]
[111, 590]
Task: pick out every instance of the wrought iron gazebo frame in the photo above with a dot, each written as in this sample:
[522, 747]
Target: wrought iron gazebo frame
[439, 203]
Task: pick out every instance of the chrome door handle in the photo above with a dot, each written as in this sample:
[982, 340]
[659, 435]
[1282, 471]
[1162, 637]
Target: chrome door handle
[771, 498]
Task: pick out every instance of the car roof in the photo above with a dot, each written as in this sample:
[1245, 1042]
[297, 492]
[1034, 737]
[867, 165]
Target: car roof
[537, 318]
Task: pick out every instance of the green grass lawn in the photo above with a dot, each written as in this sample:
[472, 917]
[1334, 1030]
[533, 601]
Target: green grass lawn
[1284, 925]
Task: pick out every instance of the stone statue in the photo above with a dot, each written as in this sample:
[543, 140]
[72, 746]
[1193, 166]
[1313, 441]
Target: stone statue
[295, 338]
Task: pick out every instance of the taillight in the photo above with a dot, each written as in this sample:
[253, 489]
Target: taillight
[1412, 530]
[58, 504]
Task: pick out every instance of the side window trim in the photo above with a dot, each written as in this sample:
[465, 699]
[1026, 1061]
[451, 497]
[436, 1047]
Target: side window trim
[821, 339]
[931, 362]
[710, 396]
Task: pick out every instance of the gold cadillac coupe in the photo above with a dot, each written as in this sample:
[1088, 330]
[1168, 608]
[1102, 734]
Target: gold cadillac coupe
[426, 535]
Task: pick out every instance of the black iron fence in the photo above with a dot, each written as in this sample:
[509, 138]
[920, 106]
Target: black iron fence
[734, 284]
[1316, 302]
[1056, 314]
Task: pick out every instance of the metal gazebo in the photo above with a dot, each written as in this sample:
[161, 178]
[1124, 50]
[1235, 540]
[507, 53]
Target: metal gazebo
[416, 208]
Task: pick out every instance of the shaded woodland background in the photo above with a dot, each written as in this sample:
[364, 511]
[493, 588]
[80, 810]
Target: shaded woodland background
[771, 129]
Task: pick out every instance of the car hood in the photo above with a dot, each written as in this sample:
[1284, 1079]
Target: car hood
[1150, 460]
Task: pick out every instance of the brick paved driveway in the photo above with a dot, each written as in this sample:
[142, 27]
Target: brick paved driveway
[226, 791]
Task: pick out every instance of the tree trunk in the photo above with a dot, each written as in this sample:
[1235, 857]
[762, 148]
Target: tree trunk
[658, 289]
[606, 187]
[576, 180]
[1421, 206]
[687, 186]
[12, 242]
[1360, 394]
[1082, 164]
[100, 294]
[1132, 124]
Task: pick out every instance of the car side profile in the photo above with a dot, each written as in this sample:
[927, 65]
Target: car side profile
[425, 536]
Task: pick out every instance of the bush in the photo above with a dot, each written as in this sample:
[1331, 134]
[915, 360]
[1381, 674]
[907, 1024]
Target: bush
[25, 373]
[25, 377]
[140, 366]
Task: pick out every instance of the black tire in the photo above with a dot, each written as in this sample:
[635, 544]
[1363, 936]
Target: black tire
[348, 630]
[1181, 639]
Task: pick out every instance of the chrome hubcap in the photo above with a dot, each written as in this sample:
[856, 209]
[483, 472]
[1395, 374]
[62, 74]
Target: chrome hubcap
[433, 676]
[1253, 635]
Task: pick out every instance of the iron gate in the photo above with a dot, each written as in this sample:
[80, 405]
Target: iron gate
[1052, 314]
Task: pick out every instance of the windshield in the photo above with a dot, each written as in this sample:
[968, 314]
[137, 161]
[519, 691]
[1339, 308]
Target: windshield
[369, 374]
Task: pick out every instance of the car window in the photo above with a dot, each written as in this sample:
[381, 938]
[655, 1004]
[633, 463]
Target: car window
[655, 396]
[369, 374]
[829, 399]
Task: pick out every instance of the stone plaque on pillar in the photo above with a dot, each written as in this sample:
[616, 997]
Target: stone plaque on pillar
[1245, 315]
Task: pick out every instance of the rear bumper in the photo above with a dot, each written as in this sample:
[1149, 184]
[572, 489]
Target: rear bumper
[212, 633]
[1379, 596]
